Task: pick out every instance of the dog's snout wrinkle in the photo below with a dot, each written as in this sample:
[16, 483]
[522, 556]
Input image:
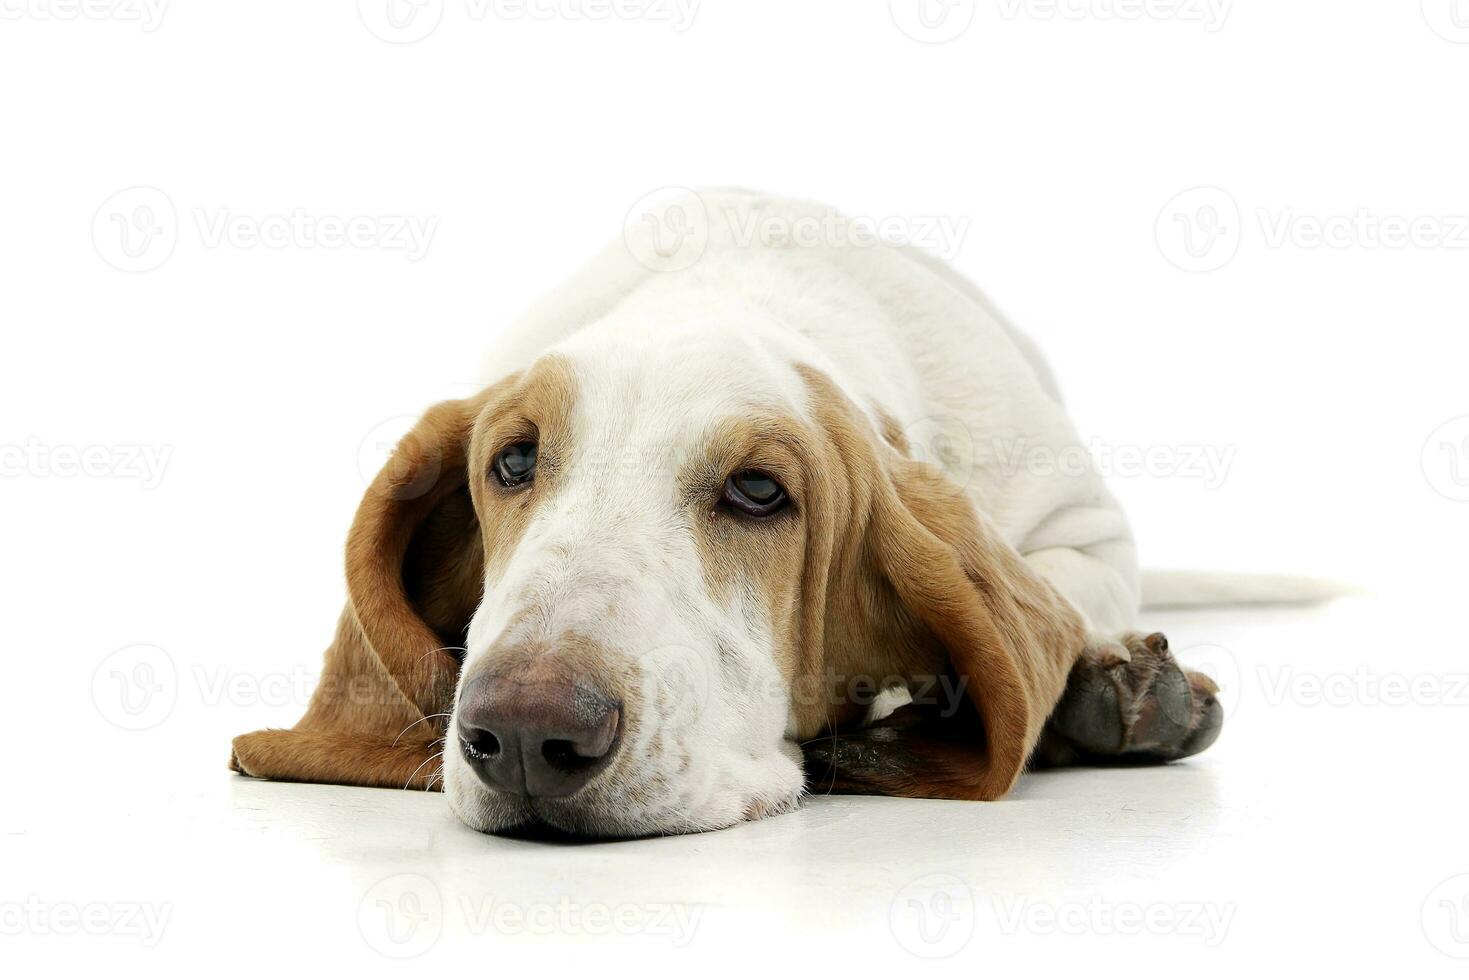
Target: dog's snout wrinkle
[542, 735]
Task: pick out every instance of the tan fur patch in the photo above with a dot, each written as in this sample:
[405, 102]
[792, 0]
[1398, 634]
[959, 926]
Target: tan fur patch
[761, 555]
[535, 406]
[891, 430]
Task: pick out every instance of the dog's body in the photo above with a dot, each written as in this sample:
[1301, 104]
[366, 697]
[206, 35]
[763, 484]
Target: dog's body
[642, 656]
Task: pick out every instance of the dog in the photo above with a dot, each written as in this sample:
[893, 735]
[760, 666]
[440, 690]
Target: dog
[737, 518]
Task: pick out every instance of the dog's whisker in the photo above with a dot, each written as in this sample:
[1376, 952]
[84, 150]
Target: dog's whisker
[441, 714]
[409, 781]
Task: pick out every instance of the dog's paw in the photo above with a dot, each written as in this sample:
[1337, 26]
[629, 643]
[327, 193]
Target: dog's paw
[1129, 700]
[243, 751]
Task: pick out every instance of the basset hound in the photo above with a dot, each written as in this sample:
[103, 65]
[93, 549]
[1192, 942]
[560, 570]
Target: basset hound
[735, 520]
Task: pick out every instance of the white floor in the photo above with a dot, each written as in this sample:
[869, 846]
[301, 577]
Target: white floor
[1325, 829]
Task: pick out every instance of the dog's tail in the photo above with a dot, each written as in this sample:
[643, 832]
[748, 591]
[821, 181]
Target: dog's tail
[1190, 589]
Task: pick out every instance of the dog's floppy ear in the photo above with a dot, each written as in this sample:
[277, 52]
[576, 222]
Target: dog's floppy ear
[414, 560]
[1010, 639]
[414, 574]
[940, 591]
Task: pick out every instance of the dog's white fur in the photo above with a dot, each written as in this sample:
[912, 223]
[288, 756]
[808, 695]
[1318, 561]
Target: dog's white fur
[660, 356]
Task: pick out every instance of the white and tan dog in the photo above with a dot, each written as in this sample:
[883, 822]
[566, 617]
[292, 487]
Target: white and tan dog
[715, 514]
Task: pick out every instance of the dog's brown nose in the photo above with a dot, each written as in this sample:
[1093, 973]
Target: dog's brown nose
[536, 737]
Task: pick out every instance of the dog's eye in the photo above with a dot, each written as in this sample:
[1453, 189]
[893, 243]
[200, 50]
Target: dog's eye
[754, 493]
[516, 463]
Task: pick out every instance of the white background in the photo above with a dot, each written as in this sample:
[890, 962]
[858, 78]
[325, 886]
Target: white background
[183, 444]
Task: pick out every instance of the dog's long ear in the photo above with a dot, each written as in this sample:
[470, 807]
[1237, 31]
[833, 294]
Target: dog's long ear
[414, 561]
[1010, 639]
[940, 591]
[414, 575]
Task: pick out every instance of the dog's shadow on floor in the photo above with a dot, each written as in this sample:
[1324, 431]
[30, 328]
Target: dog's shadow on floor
[541, 833]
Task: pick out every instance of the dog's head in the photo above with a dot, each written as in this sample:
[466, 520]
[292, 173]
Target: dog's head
[669, 564]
